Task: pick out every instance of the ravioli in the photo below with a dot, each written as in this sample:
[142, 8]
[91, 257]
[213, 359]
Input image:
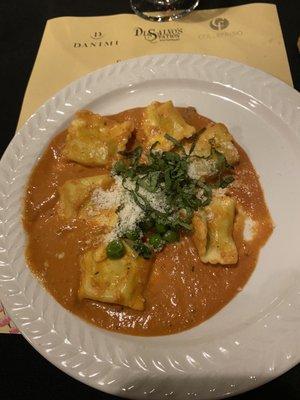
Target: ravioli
[199, 236]
[217, 137]
[221, 248]
[93, 140]
[160, 119]
[104, 218]
[75, 201]
[203, 168]
[119, 281]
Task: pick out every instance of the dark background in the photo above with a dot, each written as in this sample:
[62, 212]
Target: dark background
[24, 374]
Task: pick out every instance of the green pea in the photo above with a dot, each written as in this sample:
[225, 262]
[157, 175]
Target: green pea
[146, 225]
[146, 252]
[120, 167]
[133, 235]
[143, 250]
[115, 249]
[171, 236]
[156, 241]
[160, 228]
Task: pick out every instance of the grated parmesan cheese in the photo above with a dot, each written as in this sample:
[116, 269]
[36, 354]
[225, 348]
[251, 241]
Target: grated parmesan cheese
[129, 216]
[156, 200]
[219, 192]
[209, 215]
[105, 199]
[129, 213]
[198, 169]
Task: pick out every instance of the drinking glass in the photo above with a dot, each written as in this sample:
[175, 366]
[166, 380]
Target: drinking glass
[163, 10]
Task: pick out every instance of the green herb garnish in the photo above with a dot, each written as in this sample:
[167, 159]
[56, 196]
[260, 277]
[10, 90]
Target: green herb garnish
[160, 228]
[167, 173]
[133, 235]
[226, 181]
[143, 250]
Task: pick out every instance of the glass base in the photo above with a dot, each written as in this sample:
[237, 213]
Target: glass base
[163, 10]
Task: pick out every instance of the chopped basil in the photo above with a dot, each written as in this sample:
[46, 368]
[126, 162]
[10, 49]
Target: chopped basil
[167, 172]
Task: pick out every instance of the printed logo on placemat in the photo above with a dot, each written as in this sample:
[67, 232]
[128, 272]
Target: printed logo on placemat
[218, 24]
[219, 30]
[96, 35]
[154, 35]
[96, 39]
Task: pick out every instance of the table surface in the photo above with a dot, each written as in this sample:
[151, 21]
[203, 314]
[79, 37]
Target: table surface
[24, 374]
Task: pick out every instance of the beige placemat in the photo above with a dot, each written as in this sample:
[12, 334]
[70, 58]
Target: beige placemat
[73, 46]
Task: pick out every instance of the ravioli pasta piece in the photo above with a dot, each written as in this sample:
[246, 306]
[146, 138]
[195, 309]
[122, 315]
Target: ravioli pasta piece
[75, 202]
[221, 248]
[202, 168]
[93, 140]
[119, 281]
[199, 236]
[104, 218]
[217, 137]
[160, 119]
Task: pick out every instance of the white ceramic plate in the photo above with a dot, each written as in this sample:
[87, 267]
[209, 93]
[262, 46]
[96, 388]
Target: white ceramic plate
[256, 336]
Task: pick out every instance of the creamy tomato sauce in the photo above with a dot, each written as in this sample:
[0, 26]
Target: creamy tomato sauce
[181, 292]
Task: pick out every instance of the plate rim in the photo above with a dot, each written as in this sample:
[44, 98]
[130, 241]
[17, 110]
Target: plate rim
[192, 60]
